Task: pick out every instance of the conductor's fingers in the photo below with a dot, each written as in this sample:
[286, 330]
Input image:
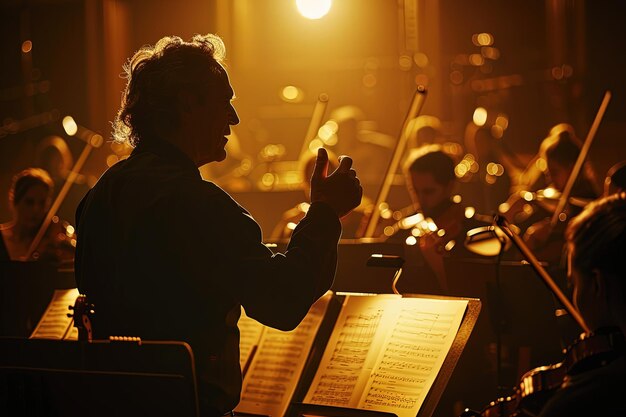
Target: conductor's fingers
[345, 163]
[321, 165]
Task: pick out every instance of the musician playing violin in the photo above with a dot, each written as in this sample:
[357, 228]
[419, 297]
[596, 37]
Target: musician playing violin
[30, 197]
[439, 223]
[596, 240]
[560, 151]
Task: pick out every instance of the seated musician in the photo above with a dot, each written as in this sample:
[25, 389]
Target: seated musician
[164, 255]
[439, 224]
[30, 197]
[560, 151]
[597, 242]
[353, 224]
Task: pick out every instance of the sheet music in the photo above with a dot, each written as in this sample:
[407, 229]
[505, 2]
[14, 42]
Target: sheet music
[385, 353]
[412, 355]
[54, 324]
[250, 332]
[278, 363]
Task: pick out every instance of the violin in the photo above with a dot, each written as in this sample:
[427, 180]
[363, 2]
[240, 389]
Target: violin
[536, 386]
[522, 205]
[58, 243]
[589, 351]
[435, 236]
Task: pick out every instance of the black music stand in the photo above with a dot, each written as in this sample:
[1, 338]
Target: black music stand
[99, 378]
[517, 308]
[353, 273]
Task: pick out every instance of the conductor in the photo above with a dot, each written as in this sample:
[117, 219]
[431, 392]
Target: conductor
[165, 255]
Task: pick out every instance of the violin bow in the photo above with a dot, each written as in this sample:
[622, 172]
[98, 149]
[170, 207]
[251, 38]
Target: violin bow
[581, 159]
[93, 141]
[503, 224]
[314, 124]
[419, 97]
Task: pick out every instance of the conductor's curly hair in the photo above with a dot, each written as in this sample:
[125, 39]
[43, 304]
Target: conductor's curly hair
[156, 75]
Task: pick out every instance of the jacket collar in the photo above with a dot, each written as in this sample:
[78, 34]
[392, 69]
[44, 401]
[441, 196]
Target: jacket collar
[166, 150]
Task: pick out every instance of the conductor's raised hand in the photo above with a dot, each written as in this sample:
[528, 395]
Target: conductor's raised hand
[341, 189]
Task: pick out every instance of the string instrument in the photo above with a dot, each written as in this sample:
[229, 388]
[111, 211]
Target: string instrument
[522, 205]
[82, 317]
[434, 235]
[587, 352]
[57, 244]
[539, 384]
[545, 236]
[417, 103]
[93, 141]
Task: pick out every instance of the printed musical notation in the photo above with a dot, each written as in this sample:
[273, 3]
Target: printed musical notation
[55, 324]
[385, 353]
[277, 365]
[250, 332]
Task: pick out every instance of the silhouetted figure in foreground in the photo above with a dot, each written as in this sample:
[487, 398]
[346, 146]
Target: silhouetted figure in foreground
[597, 242]
[165, 255]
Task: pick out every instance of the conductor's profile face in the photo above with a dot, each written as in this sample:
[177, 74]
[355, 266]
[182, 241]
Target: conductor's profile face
[210, 118]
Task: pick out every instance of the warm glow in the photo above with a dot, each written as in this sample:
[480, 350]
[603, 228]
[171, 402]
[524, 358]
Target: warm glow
[482, 39]
[502, 121]
[96, 140]
[112, 160]
[541, 164]
[476, 60]
[549, 192]
[480, 116]
[70, 126]
[315, 145]
[421, 60]
[313, 9]
[291, 93]
[27, 46]
[497, 131]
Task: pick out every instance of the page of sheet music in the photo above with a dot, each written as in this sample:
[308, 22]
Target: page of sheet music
[412, 355]
[278, 363]
[54, 324]
[351, 350]
[250, 332]
[385, 353]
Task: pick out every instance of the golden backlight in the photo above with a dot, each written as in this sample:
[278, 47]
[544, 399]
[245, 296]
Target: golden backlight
[313, 9]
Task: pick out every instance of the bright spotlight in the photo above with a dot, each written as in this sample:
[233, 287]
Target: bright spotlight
[70, 126]
[480, 116]
[313, 9]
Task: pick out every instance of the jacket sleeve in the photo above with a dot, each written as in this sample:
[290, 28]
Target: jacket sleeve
[276, 289]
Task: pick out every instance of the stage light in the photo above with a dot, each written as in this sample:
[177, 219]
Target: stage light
[313, 9]
[27, 46]
[70, 126]
[480, 116]
[291, 94]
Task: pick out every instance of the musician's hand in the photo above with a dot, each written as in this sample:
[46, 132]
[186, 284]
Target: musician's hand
[341, 189]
